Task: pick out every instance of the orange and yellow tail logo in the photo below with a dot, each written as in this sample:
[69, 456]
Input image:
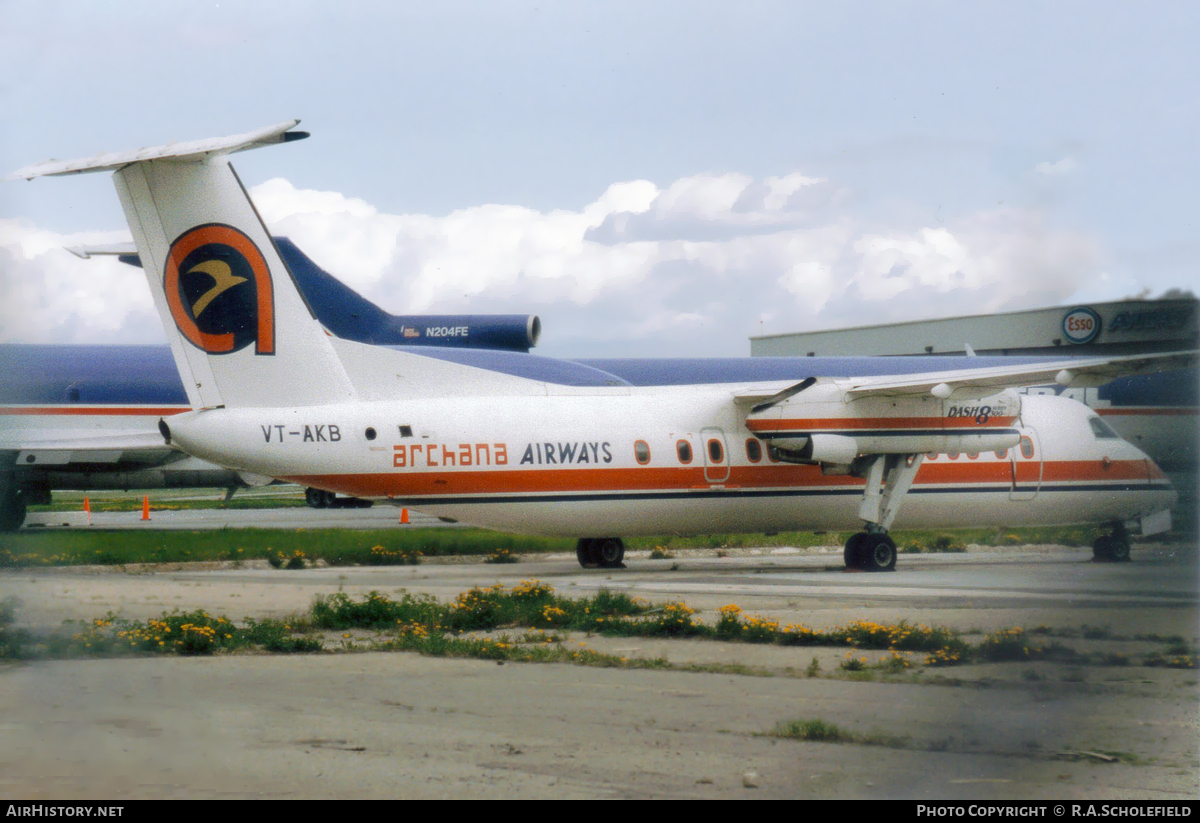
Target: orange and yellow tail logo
[218, 288]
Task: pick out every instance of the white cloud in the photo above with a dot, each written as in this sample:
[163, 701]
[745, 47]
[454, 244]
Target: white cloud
[47, 295]
[689, 269]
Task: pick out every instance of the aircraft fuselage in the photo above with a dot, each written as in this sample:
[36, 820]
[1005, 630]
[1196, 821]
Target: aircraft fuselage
[678, 461]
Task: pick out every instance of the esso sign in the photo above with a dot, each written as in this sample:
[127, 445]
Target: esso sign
[1081, 325]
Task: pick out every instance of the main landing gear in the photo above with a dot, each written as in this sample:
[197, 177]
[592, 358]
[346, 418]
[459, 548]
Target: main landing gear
[318, 499]
[602, 552]
[889, 477]
[871, 551]
[12, 508]
[1112, 548]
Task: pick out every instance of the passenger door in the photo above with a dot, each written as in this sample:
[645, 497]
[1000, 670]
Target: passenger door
[716, 455]
[1025, 460]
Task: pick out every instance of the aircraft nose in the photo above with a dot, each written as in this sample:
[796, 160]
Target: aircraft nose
[1157, 476]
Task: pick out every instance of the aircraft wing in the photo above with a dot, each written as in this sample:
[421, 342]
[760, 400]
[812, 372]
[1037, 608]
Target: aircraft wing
[988, 380]
[143, 448]
[982, 381]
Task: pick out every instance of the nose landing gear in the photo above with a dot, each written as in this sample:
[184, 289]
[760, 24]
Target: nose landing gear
[1112, 548]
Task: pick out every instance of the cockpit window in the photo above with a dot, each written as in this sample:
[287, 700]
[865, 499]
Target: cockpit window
[1102, 430]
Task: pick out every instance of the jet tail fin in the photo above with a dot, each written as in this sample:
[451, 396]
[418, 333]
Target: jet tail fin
[241, 332]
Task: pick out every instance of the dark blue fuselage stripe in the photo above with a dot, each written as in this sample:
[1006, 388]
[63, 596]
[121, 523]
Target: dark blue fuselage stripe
[587, 497]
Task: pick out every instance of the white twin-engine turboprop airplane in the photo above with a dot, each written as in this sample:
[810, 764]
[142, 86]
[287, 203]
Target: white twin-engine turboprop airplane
[274, 394]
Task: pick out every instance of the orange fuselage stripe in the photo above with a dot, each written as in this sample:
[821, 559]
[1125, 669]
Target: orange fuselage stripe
[412, 483]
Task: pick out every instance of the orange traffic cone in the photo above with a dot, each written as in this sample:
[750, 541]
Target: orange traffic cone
[145, 507]
[87, 507]
[404, 515]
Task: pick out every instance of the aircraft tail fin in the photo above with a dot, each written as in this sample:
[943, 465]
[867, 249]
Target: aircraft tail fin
[241, 332]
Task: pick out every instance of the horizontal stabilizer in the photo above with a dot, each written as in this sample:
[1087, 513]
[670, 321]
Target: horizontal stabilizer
[120, 249]
[192, 150]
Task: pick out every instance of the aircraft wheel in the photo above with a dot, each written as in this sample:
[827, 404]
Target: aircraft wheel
[609, 552]
[12, 511]
[878, 553]
[585, 552]
[1111, 549]
[1120, 550]
[315, 498]
[853, 553]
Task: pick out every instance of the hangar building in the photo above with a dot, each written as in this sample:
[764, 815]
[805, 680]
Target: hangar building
[1124, 327]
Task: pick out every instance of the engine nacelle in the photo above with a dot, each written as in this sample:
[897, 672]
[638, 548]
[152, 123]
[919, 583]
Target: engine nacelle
[820, 448]
[820, 425]
[513, 332]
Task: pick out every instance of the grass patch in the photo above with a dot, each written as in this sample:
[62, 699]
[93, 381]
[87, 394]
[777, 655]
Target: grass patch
[504, 648]
[928, 539]
[132, 502]
[175, 633]
[14, 642]
[423, 623]
[1171, 661]
[335, 547]
[815, 730]
[530, 603]
[942, 543]
[821, 731]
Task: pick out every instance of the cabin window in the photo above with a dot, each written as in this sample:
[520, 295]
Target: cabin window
[972, 455]
[641, 451]
[715, 452]
[753, 450]
[370, 433]
[1026, 447]
[952, 455]
[1102, 430]
[406, 431]
[684, 449]
[1002, 454]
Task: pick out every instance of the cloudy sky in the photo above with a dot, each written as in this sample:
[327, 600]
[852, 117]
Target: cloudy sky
[652, 178]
